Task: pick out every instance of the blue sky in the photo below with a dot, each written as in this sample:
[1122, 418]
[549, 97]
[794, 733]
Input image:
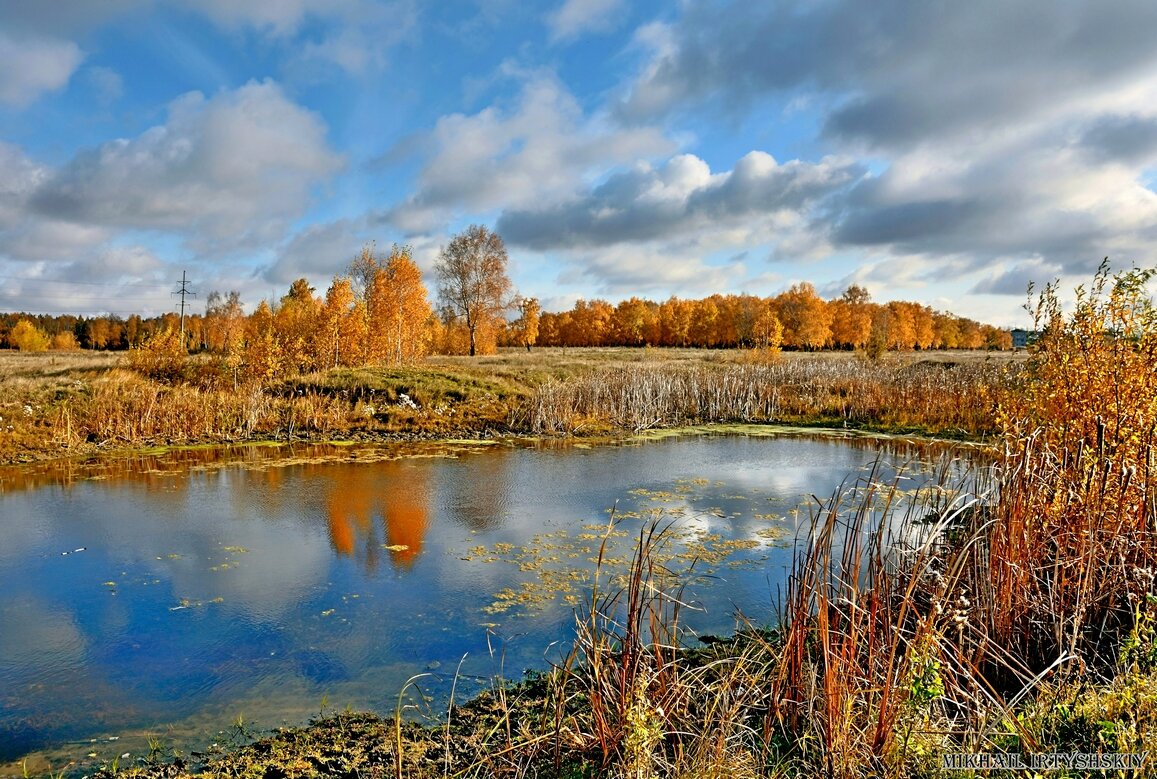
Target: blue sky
[943, 152]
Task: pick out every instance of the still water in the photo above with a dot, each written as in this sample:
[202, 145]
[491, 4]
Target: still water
[167, 597]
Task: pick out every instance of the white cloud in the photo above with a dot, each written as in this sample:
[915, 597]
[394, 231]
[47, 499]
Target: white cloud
[754, 202]
[1015, 279]
[943, 71]
[275, 17]
[29, 67]
[24, 236]
[19, 178]
[51, 240]
[680, 227]
[1010, 138]
[227, 171]
[126, 261]
[224, 175]
[106, 83]
[318, 252]
[575, 17]
[654, 269]
[534, 153]
[1035, 193]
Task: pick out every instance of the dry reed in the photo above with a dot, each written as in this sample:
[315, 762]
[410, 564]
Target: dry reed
[1044, 578]
[851, 392]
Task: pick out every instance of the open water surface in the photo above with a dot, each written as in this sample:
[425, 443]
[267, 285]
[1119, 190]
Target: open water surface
[169, 596]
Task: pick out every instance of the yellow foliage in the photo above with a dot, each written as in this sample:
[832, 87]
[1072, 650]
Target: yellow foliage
[400, 310]
[27, 337]
[1093, 375]
[524, 330]
[263, 356]
[392, 310]
[454, 337]
[64, 342]
[1079, 437]
[161, 357]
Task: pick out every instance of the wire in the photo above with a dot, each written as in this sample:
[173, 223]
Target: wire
[91, 311]
[66, 298]
[26, 280]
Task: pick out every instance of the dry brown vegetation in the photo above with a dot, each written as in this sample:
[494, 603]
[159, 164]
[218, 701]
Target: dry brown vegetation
[1013, 593]
[944, 398]
[82, 402]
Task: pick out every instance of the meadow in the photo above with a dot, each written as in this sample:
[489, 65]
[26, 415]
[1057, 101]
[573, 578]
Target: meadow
[80, 403]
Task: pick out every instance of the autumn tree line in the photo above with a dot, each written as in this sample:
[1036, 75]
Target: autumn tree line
[380, 313]
[796, 319]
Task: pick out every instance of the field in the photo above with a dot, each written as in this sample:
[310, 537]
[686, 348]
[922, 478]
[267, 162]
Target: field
[79, 403]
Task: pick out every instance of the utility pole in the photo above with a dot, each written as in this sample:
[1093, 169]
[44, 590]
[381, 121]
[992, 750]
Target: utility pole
[183, 291]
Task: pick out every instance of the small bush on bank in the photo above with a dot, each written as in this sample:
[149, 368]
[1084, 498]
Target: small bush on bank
[161, 358]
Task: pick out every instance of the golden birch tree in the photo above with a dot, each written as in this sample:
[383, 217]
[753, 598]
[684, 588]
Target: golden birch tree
[805, 317]
[472, 281]
[263, 358]
[295, 324]
[401, 308]
[336, 340]
[851, 318]
[27, 337]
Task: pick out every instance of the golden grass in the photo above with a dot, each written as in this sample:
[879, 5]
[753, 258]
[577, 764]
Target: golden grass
[1008, 599]
[934, 397]
[56, 404]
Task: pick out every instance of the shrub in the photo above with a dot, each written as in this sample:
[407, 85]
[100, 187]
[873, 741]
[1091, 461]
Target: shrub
[161, 358]
[64, 342]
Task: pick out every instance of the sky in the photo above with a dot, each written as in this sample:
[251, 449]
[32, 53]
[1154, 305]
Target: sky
[932, 150]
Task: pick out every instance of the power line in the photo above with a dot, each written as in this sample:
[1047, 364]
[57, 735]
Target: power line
[182, 291]
[86, 313]
[78, 296]
[25, 280]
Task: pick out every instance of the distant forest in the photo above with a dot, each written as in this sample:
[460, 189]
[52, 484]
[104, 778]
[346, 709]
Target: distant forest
[380, 313]
[808, 321]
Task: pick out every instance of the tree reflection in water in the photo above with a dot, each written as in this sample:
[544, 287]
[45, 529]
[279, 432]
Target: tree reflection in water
[387, 506]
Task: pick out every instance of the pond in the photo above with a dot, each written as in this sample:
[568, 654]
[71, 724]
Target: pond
[167, 597]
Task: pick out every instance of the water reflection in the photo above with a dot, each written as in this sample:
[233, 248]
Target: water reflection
[154, 470]
[201, 584]
[481, 501]
[393, 497]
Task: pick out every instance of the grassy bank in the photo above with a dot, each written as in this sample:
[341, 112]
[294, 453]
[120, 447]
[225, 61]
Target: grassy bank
[84, 403]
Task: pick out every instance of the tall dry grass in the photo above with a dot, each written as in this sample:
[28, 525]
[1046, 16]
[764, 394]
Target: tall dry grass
[1074, 547]
[1043, 578]
[869, 679]
[127, 408]
[631, 700]
[943, 397]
